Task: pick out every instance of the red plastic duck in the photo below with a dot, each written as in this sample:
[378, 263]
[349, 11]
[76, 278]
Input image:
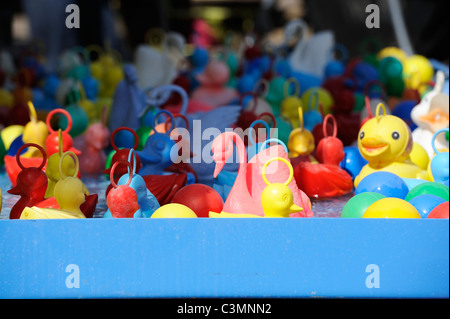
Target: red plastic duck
[325, 179]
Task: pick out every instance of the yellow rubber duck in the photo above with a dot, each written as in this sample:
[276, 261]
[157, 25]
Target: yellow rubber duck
[69, 195]
[54, 169]
[301, 140]
[277, 199]
[291, 102]
[35, 131]
[385, 141]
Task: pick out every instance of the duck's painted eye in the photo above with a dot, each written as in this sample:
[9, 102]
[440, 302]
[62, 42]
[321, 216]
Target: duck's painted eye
[361, 135]
[395, 135]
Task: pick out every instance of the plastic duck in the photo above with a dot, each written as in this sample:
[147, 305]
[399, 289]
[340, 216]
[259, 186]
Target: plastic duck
[160, 150]
[93, 158]
[69, 194]
[385, 141]
[153, 64]
[52, 141]
[163, 187]
[290, 103]
[313, 116]
[277, 199]
[122, 200]
[301, 140]
[239, 201]
[213, 90]
[256, 182]
[80, 119]
[53, 171]
[107, 69]
[34, 132]
[244, 197]
[439, 165]
[31, 183]
[120, 154]
[326, 178]
[145, 200]
[310, 54]
[431, 115]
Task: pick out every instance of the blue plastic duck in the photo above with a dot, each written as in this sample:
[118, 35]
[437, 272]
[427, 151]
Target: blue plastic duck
[159, 150]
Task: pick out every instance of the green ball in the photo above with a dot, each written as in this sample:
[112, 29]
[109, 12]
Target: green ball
[360, 102]
[80, 120]
[429, 188]
[284, 129]
[357, 205]
[109, 160]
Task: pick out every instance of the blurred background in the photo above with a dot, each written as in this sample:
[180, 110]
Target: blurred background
[126, 24]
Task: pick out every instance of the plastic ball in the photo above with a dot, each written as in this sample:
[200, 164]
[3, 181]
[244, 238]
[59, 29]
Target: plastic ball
[174, 211]
[391, 208]
[10, 133]
[325, 98]
[199, 57]
[426, 203]
[403, 111]
[353, 161]
[431, 188]
[419, 156]
[357, 205]
[246, 83]
[79, 117]
[419, 65]
[334, 68]
[200, 198]
[440, 211]
[385, 183]
[395, 52]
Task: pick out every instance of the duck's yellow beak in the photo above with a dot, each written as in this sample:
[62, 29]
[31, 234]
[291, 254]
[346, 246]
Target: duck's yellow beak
[374, 145]
[295, 209]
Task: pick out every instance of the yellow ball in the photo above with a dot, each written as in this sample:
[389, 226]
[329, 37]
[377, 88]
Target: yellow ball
[419, 66]
[394, 52]
[325, 98]
[174, 211]
[391, 208]
[10, 133]
[419, 156]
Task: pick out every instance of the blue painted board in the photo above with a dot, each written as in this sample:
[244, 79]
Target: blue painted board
[317, 257]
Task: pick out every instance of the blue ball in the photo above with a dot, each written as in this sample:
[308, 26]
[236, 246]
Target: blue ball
[334, 68]
[199, 57]
[246, 83]
[311, 119]
[385, 183]
[353, 162]
[403, 111]
[426, 203]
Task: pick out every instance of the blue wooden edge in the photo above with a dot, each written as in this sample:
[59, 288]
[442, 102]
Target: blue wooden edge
[110, 258]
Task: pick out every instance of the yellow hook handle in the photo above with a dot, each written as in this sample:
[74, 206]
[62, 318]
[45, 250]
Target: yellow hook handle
[291, 170]
[77, 164]
[379, 107]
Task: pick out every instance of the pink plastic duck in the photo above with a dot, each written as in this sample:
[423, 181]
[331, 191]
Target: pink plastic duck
[213, 90]
[96, 139]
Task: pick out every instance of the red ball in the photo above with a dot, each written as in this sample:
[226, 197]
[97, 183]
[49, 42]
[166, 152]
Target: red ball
[440, 211]
[200, 198]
